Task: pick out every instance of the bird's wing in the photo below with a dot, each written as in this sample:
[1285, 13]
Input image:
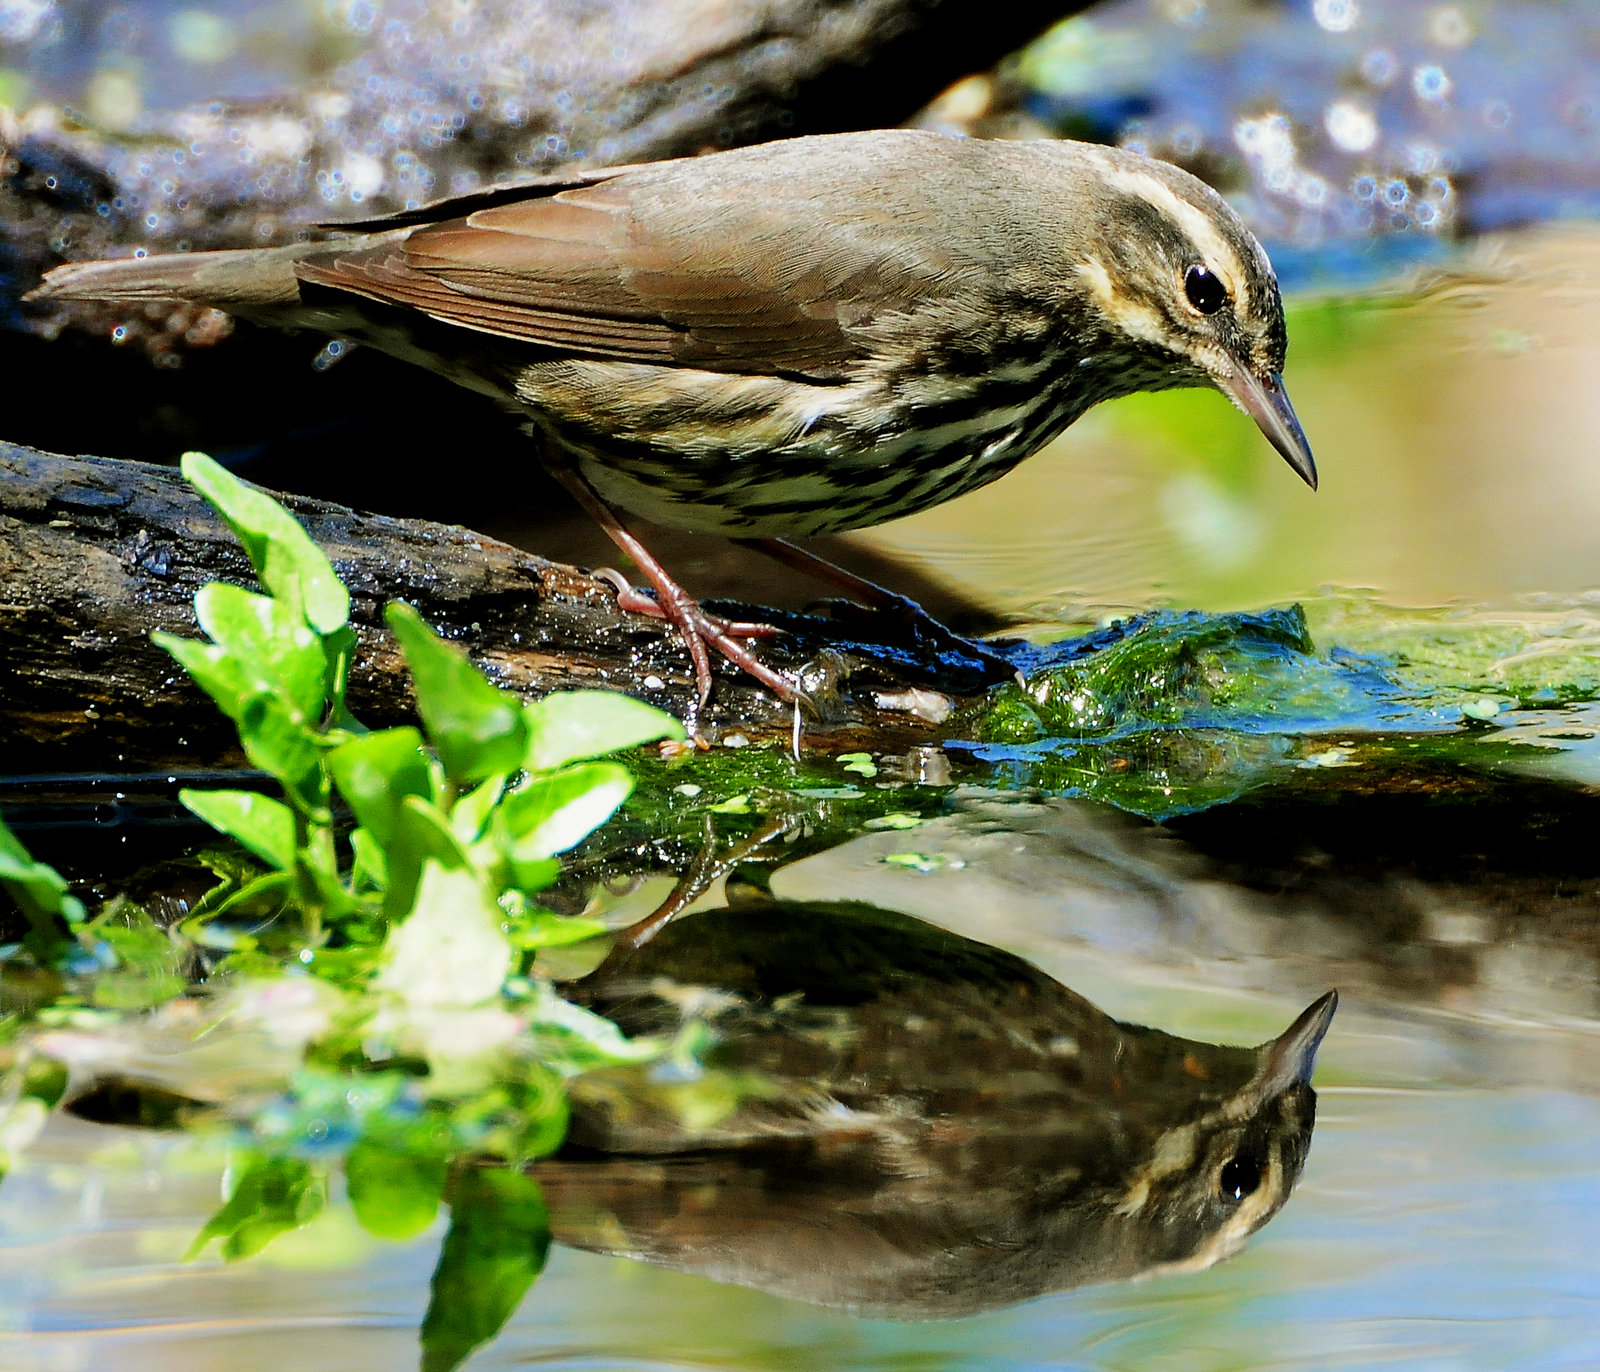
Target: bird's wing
[649, 266]
[483, 198]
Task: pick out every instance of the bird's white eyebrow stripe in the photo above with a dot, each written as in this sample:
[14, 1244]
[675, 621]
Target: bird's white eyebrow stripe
[1220, 255]
[1134, 318]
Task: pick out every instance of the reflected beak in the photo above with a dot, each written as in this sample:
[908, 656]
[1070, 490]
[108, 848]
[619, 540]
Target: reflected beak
[1291, 1056]
[1266, 402]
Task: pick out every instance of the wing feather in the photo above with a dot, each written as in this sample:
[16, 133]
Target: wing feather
[659, 264]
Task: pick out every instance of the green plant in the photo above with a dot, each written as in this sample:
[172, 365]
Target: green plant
[40, 892]
[429, 928]
[439, 822]
[430, 1051]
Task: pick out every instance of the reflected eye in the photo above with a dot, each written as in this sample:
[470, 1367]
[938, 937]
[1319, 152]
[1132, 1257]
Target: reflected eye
[1239, 1177]
[1205, 292]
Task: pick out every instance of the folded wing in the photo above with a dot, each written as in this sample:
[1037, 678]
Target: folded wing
[664, 265]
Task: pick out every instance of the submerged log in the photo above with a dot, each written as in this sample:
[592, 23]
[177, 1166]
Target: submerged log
[95, 554]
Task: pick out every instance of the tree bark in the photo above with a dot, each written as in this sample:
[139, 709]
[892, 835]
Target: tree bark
[95, 554]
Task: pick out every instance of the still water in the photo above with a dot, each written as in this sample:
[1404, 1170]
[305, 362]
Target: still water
[1445, 1219]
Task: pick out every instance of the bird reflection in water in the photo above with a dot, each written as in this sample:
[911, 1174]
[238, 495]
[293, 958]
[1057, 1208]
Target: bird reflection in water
[931, 1127]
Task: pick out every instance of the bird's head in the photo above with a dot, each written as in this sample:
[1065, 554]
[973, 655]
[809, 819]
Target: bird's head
[1176, 271]
[1211, 1181]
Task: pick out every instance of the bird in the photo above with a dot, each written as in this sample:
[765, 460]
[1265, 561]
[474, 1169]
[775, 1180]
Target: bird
[789, 339]
[913, 1124]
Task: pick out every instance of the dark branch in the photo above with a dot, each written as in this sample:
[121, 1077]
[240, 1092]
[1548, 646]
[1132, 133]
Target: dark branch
[94, 554]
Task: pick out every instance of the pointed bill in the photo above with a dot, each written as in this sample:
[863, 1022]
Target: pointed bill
[1266, 402]
[1291, 1056]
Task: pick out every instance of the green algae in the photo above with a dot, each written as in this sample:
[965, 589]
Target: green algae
[1542, 653]
[1162, 714]
[1185, 669]
[1176, 711]
[728, 795]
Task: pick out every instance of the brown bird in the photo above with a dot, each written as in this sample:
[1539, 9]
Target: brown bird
[798, 338]
[925, 1126]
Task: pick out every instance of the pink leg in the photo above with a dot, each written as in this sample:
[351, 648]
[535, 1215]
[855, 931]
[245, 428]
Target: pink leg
[675, 604]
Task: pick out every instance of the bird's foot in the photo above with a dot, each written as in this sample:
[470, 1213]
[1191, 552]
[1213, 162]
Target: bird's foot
[702, 629]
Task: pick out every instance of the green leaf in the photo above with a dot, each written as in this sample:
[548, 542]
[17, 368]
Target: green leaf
[279, 743]
[375, 773]
[450, 950]
[532, 875]
[477, 728]
[270, 643]
[135, 988]
[274, 736]
[28, 1093]
[527, 878]
[541, 1101]
[395, 1194]
[553, 812]
[370, 870]
[263, 825]
[425, 831]
[470, 814]
[149, 963]
[39, 890]
[421, 832]
[261, 896]
[264, 896]
[273, 1196]
[571, 725]
[289, 564]
[338, 650]
[498, 1241]
[212, 668]
[546, 929]
[22, 1120]
[45, 1079]
[572, 1039]
[319, 859]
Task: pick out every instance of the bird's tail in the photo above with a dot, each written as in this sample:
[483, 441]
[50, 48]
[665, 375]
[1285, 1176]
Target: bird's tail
[238, 279]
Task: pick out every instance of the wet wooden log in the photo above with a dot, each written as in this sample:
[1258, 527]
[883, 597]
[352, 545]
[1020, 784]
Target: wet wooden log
[95, 554]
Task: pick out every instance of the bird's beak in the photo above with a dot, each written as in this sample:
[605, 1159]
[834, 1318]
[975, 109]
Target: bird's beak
[1266, 402]
[1290, 1057]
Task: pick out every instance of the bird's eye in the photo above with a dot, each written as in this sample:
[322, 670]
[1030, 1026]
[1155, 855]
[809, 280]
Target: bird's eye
[1239, 1177]
[1205, 292]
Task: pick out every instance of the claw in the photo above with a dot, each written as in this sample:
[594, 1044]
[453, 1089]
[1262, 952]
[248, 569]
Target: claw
[630, 600]
[635, 601]
[675, 604]
[700, 628]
